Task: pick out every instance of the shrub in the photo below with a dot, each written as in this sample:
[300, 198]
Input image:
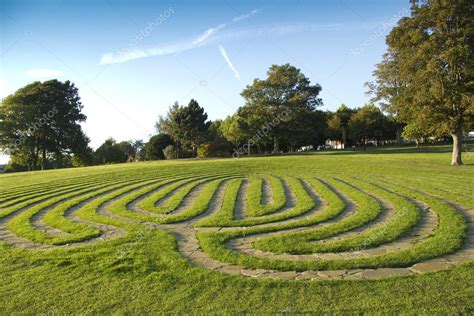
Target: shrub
[213, 149]
[169, 152]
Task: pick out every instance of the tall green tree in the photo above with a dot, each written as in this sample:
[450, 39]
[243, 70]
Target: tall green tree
[129, 150]
[280, 98]
[233, 129]
[365, 124]
[112, 152]
[196, 125]
[426, 75]
[187, 125]
[307, 128]
[41, 122]
[217, 145]
[338, 124]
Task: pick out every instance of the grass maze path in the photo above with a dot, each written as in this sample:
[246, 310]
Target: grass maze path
[266, 226]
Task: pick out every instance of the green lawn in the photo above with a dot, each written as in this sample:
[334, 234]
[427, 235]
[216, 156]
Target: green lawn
[107, 239]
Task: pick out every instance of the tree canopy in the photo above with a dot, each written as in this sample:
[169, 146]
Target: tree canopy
[41, 122]
[153, 149]
[426, 75]
[280, 99]
[187, 125]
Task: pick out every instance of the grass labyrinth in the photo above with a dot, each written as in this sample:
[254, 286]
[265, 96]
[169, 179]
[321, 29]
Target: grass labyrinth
[347, 222]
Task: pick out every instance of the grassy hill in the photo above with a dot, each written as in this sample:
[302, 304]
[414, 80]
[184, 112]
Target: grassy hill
[338, 232]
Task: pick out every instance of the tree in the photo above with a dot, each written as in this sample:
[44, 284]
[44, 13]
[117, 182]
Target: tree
[239, 129]
[338, 124]
[187, 125]
[153, 149]
[111, 152]
[232, 129]
[196, 125]
[169, 152]
[41, 122]
[280, 98]
[128, 150]
[426, 75]
[415, 133]
[83, 158]
[217, 145]
[307, 128]
[171, 125]
[366, 123]
[138, 146]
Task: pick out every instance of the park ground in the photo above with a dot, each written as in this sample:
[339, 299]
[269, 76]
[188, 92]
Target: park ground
[146, 271]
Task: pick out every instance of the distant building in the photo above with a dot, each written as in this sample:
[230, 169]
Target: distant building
[335, 144]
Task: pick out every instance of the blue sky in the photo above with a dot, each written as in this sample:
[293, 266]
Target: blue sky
[132, 59]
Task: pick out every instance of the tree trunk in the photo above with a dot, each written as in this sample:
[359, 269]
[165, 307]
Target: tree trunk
[276, 145]
[34, 162]
[456, 159]
[43, 160]
[344, 136]
[399, 136]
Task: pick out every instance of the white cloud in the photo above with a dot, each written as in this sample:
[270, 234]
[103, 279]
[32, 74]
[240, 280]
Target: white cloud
[204, 36]
[44, 73]
[245, 16]
[160, 50]
[167, 49]
[229, 63]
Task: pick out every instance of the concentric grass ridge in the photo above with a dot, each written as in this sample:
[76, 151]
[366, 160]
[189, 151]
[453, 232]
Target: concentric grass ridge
[258, 226]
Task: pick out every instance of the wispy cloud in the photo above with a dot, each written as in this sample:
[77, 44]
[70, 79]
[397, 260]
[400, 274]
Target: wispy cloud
[44, 73]
[229, 63]
[166, 49]
[172, 48]
[245, 16]
[204, 36]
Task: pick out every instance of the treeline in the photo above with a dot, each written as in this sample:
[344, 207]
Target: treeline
[185, 132]
[41, 126]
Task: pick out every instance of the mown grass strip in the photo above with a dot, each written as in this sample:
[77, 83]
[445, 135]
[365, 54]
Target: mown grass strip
[121, 206]
[429, 188]
[225, 216]
[149, 202]
[31, 201]
[58, 188]
[368, 209]
[407, 215]
[21, 225]
[447, 238]
[174, 193]
[255, 207]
